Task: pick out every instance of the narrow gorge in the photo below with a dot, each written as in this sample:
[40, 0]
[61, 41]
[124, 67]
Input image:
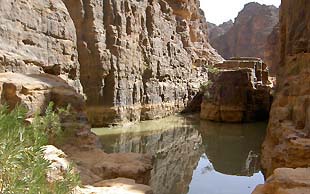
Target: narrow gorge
[151, 98]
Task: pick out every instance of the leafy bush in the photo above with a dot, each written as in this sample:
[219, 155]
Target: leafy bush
[22, 166]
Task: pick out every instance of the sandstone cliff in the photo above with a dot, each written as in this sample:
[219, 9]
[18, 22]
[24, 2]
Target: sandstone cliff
[215, 31]
[38, 37]
[272, 48]
[249, 33]
[139, 59]
[288, 129]
[135, 59]
[287, 143]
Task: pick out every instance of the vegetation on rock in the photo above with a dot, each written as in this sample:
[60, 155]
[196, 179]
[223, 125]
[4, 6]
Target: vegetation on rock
[23, 168]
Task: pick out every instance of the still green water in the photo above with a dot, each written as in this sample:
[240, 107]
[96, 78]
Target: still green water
[193, 156]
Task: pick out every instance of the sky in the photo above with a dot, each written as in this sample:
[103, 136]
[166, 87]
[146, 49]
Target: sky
[219, 11]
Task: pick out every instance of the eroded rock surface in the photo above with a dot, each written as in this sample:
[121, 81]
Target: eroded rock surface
[95, 165]
[287, 143]
[139, 59]
[60, 164]
[272, 48]
[215, 31]
[36, 37]
[249, 33]
[286, 181]
[35, 91]
[238, 91]
[136, 60]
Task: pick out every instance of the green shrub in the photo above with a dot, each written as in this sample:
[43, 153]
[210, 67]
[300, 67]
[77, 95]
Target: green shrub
[205, 86]
[22, 166]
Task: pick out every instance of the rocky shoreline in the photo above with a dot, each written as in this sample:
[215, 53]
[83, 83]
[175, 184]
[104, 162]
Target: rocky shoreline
[125, 61]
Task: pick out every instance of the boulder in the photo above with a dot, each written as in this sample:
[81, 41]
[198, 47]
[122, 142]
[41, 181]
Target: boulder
[286, 181]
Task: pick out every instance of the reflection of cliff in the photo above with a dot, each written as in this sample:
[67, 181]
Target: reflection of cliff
[176, 152]
[229, 146]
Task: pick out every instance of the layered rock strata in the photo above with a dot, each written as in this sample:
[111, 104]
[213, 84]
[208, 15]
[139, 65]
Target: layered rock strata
[287, 142]
[215, 31]
[135, 59]
[34, 92]
[139, 59]
[248, 35]
[38, 37]
[272, 48]
[238, 91]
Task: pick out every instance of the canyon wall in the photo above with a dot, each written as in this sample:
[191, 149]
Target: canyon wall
[287, 143]
[248, 35]
[38, 37]
[272, 48]
[139, 59]
[215, 31]
[134, 60]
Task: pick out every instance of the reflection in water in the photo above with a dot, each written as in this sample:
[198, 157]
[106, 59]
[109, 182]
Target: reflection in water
[206, 180]
[183, 149]
[233, 148]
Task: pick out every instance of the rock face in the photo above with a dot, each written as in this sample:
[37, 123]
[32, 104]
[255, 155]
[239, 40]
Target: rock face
[60, 165]
[215, 31]
[38, 37]
[272, 48]
[135, 59]
[287, 143]
[237, 92]
[139, 59]
[95, 165]
[286, 181]
[249, 33]
[35, 91]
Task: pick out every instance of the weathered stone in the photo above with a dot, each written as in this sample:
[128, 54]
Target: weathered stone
[237, 92]
[249, 33]
[139, 59]
[95, 165]
[60, 166]
[36, 91]
[215, 31]
[36, 37]
[287, 142]
[286, 181]
[115, 186]
[272, 48]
